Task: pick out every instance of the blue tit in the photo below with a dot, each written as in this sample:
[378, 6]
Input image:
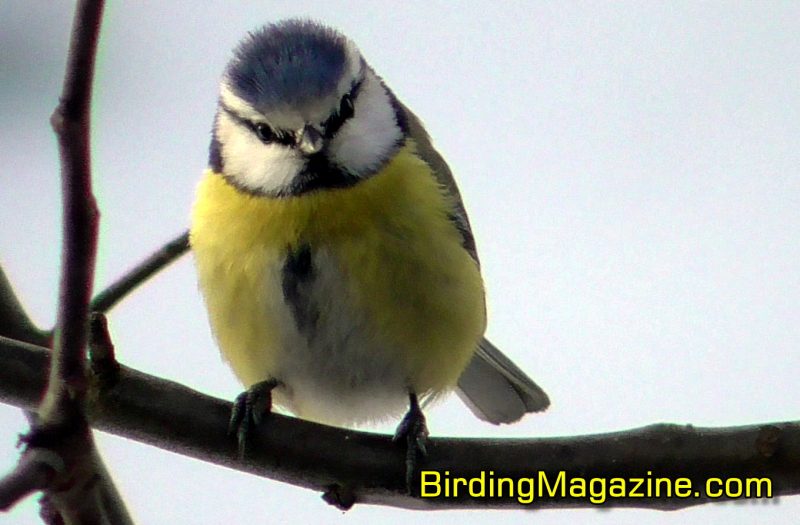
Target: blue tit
[332, 247]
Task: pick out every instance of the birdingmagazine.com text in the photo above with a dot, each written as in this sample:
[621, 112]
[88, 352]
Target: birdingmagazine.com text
[597, 490]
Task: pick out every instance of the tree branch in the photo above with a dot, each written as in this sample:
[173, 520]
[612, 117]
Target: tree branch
[60, 457]
[14, 322]
[350, 466]
[70, 122]
[33, 473]
[109, 297]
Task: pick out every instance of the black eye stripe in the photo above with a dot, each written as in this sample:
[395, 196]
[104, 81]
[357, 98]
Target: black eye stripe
[263, 131]
[344, 113]
[267, 135]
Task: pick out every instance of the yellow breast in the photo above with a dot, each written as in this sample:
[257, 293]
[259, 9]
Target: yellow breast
[399, 254]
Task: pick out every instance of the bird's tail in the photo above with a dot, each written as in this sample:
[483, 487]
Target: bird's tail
[497, 390]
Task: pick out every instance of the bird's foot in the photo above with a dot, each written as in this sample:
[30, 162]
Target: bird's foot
[414, 431]
[249, 410]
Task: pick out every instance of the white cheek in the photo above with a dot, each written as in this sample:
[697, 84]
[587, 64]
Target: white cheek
[366, 140]
[253, 164]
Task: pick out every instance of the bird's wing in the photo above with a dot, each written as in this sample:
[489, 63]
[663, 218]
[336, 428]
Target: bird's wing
[427, 152]
[497, 390]
[492, 386]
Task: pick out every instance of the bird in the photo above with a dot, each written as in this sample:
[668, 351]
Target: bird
[333, 251]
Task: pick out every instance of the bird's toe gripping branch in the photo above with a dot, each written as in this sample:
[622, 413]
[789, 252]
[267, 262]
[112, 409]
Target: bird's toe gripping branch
[414, 431]
[249, 409]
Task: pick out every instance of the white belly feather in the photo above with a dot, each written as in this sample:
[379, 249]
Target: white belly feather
[339, 371]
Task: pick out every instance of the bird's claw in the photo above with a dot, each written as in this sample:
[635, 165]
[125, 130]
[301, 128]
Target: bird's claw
[414, 430]
[249, 409]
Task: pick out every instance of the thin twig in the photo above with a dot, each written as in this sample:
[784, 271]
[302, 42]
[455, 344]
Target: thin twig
[80, 216]
[101, 351]
[14, 322]
[109, 297]
[369, 468]
[31, 474]
[79, 491]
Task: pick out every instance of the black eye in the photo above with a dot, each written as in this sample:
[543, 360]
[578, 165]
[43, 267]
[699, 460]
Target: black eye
[346, 109]
[264, 133]
[268, 136]
[337, 120]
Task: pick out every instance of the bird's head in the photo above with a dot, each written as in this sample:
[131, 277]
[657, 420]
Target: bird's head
[300, 110]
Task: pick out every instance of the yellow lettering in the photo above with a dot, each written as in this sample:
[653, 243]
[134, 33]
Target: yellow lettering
[731, 492]
[683, 487]
[544, 485]
[507, 481]
[525, 496]
[456, 483]
[577, 487]
[597, 490]
[758, 482]
[659, 482]
[481, 481]
[424, 483]
[711, 493]
[616, 488]
[637, 483]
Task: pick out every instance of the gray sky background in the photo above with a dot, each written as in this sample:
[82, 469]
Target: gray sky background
[631, 170]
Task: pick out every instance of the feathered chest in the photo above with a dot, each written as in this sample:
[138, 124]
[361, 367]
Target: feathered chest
[401, 208]
[383, 255]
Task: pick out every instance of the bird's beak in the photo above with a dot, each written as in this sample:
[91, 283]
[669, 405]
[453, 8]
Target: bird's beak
[309, 140]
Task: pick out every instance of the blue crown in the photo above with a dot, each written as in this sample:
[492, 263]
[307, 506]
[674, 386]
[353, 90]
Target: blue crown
[289, 62]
